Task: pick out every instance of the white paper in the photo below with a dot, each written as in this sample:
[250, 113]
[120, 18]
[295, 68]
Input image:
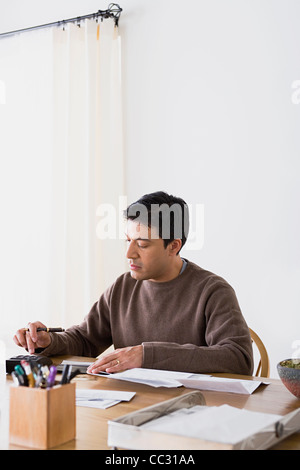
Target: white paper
[101, 398]
[100, 404]
[220, 384]
[224, 424]
[153, 377]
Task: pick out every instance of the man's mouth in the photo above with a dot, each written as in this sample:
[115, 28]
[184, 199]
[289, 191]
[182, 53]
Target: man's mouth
[135, 267]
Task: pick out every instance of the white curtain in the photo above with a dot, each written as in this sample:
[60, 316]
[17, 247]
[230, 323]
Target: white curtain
[60, 160]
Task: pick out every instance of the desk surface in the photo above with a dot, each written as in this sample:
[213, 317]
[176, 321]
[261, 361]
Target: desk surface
[91, 423]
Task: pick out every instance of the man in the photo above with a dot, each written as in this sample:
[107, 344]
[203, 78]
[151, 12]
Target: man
[166, 313]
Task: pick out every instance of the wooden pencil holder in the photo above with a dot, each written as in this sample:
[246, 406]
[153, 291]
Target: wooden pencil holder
[42, 418]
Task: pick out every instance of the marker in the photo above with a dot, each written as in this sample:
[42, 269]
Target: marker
[51, 377]
[45, 371]
[28, 372]
[21, 375]
[48, 330]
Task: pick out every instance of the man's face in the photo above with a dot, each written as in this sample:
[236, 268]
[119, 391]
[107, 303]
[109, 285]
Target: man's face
[148, 258]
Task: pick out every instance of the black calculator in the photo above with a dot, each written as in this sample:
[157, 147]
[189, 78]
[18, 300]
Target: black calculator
[33, 359]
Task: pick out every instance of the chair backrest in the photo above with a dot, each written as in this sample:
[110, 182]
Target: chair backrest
[263, 369]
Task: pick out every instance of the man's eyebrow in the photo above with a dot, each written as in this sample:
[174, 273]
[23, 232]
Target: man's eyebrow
[140, 239]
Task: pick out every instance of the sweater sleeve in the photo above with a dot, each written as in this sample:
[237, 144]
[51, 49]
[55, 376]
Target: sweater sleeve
[90, 338]
[228, 345]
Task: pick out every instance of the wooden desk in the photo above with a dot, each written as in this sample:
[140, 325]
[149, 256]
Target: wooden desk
[91, 423]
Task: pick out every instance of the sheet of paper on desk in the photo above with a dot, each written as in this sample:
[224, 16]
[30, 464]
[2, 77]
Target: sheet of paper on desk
[153, 377]
[167, 378]
[220, 384]
[101, 398]
[225, 424]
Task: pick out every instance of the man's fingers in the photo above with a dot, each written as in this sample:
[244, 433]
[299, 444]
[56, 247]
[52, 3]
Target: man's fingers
[115, 366]
[31, 345]
[32, 332]
[31, 339]
[19, 339]
[119, 360]
[104, 363]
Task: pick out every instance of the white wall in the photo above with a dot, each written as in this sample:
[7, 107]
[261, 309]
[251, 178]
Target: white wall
[209, 116]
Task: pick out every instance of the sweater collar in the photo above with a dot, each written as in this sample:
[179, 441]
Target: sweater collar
[161, 285]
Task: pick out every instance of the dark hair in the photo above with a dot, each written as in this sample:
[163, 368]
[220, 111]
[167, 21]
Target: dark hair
[169, 214]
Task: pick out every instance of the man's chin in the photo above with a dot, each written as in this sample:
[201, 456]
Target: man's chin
[137, 275]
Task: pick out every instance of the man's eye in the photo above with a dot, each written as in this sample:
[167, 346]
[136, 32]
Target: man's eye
[142, 246]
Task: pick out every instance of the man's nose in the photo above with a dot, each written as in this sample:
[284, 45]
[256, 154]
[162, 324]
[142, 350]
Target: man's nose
[131, 250]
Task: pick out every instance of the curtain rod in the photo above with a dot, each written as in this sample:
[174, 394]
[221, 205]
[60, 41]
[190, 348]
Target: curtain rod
[113, 11]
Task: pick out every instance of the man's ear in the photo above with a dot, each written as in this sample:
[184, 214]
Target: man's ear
[174, 247]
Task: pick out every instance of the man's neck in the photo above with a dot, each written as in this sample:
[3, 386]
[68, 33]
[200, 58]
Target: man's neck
[172, 273]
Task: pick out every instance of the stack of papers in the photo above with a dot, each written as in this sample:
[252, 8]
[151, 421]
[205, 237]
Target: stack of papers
[166, 378]
[81, 365]
[101, 398]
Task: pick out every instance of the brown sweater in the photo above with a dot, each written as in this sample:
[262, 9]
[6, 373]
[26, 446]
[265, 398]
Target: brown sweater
[192, 323]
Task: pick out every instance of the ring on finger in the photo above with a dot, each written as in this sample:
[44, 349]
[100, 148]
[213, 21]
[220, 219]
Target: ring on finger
[118, 362]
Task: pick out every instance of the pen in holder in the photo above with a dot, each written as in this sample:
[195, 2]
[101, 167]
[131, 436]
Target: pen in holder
[42, 418]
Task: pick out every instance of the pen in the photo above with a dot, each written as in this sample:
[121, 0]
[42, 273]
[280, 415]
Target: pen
[66, 372]
[48, 330]
[43, 383]
[38, 379]
[76, 372]
[16, 379]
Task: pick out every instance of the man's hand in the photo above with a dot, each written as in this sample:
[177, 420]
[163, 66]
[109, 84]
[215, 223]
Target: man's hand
[118, 360]
[31, 340]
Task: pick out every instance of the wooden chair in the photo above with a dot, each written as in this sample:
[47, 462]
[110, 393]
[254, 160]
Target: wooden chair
[263, 369]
